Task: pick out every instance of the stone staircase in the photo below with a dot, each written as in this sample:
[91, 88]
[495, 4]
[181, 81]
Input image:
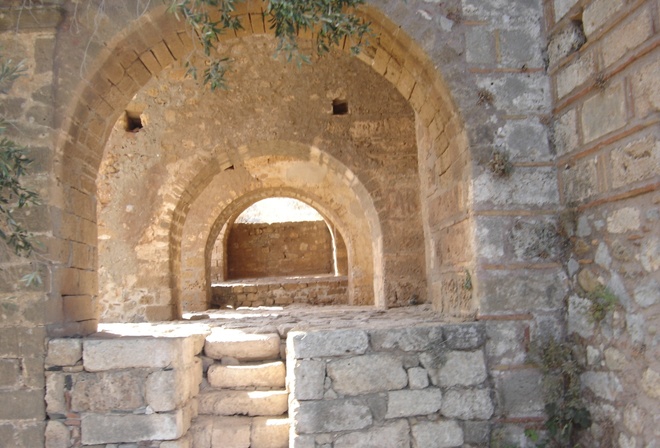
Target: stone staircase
[243, 402]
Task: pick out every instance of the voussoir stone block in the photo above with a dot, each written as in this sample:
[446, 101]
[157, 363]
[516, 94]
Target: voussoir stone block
[367, 374]
[136, 352]
[327, 343]
[240, 402]
[271, 374]
[236, 344]
[409, 403]
[331, 415]
[393, 435]
[102, 428]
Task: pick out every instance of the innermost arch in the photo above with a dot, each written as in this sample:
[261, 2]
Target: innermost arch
[273, 210]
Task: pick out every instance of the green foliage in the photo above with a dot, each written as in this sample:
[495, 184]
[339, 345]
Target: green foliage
[330, 22]
[14, 163]
[602, 302]
[467, 283]
[566, 413]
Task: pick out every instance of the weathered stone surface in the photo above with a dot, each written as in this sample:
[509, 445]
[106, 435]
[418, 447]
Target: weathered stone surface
[518, 393]
[324, 343]
[646, 89]
[308, 379]
[22, 404]
[231, 432]
[10, 372]
[576, 74]
[651, 383]
[506, 342]
[623, 220]
[271, 374]
[406, 339]
[234, 402]
[409, 403]
[562, 7]
[167, 390]
[64, 352]
[477, 433]
[418, 378]
[184, 442]
[270, 432]
[108, 391]
[392, 435]
[440, 434]
[57, 435]
[509, 292]
[604, 385]
[55, 403]
[579, 317]
[565, 41]
[455, 368]
[99, 428]
[367, 374]
[119, 353]
[604, 112]
[598, 13]
[525, 187]
[242, 346]
[646, 294]
[331, 415]
[468, 404]
[468, 336]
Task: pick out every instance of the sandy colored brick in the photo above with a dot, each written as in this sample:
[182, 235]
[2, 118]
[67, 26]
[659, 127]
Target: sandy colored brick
[604, 112]
[628, 36]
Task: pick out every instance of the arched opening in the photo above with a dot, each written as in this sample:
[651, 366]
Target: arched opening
[279, 251]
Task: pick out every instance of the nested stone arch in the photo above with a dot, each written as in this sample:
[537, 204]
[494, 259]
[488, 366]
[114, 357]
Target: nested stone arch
[128, 58]
[340, 198]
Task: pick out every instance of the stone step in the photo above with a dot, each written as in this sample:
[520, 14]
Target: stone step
[243, 402]
[222, 343]
[263, 375]
[240, 432]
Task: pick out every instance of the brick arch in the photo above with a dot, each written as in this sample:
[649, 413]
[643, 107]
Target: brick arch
[132, 56]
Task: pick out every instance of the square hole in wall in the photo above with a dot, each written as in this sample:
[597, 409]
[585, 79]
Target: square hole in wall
[339, 106]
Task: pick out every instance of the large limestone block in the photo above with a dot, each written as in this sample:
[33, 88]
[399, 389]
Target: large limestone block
[101, 354]
[367, 374]
[236, 344]
[409, 403]
[108, 391]
[394, 435]
[327, 343]
[306, 379]
[271, 374]
[406, 339]
[440, 434]
[167, 390]
[468, 404]
[239, 402]
[231, 433]
[270, 432]
[312, 417]
[455, 368]
[100, 428]
[64, 352]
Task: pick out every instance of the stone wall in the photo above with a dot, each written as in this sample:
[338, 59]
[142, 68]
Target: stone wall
[113, 389]
[281, 292]
[279, 249]
[604, 61]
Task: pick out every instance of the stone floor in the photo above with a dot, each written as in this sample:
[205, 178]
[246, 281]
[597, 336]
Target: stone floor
[283, 319]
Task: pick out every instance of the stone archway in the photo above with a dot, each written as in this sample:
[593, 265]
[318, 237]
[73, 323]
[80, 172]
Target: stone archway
[441, 142]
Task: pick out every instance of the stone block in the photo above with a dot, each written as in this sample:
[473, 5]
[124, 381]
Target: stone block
[231, 433]
[183, 442]
[519, 393]
[480, 46]
[120, 353]
[476, 433]
[55, 403]
[524, 187]
[165, 390]
[367, 374]
[407, 339]
[269, 432]
[581, 179]
[242, 346]
[438, 434]
[313, 417]
[327, 343]
[238, 402]
[525, 140]
[564, 133]
[623, 220]
[392, 435]
[468, 404]
[64, 352]
[410, 403]
[455, 368]
[271, 374]
[561, 7]
[506, 342]
[418, 378]
[646, 89]
[521, 46]
[577, 73]
[522, 291]
[599, 12]
[57, 435]
[10, 372]
[466, 336]
[518, 94]
[604, 112]
[627, 36]
[307, 379]
[100, 428]
[22, 404]
[108, 391]
[605, 385]
[635, 161]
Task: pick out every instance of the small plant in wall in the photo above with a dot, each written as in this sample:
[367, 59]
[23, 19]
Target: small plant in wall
[499, 163]
[566, 413]
[602, 302]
